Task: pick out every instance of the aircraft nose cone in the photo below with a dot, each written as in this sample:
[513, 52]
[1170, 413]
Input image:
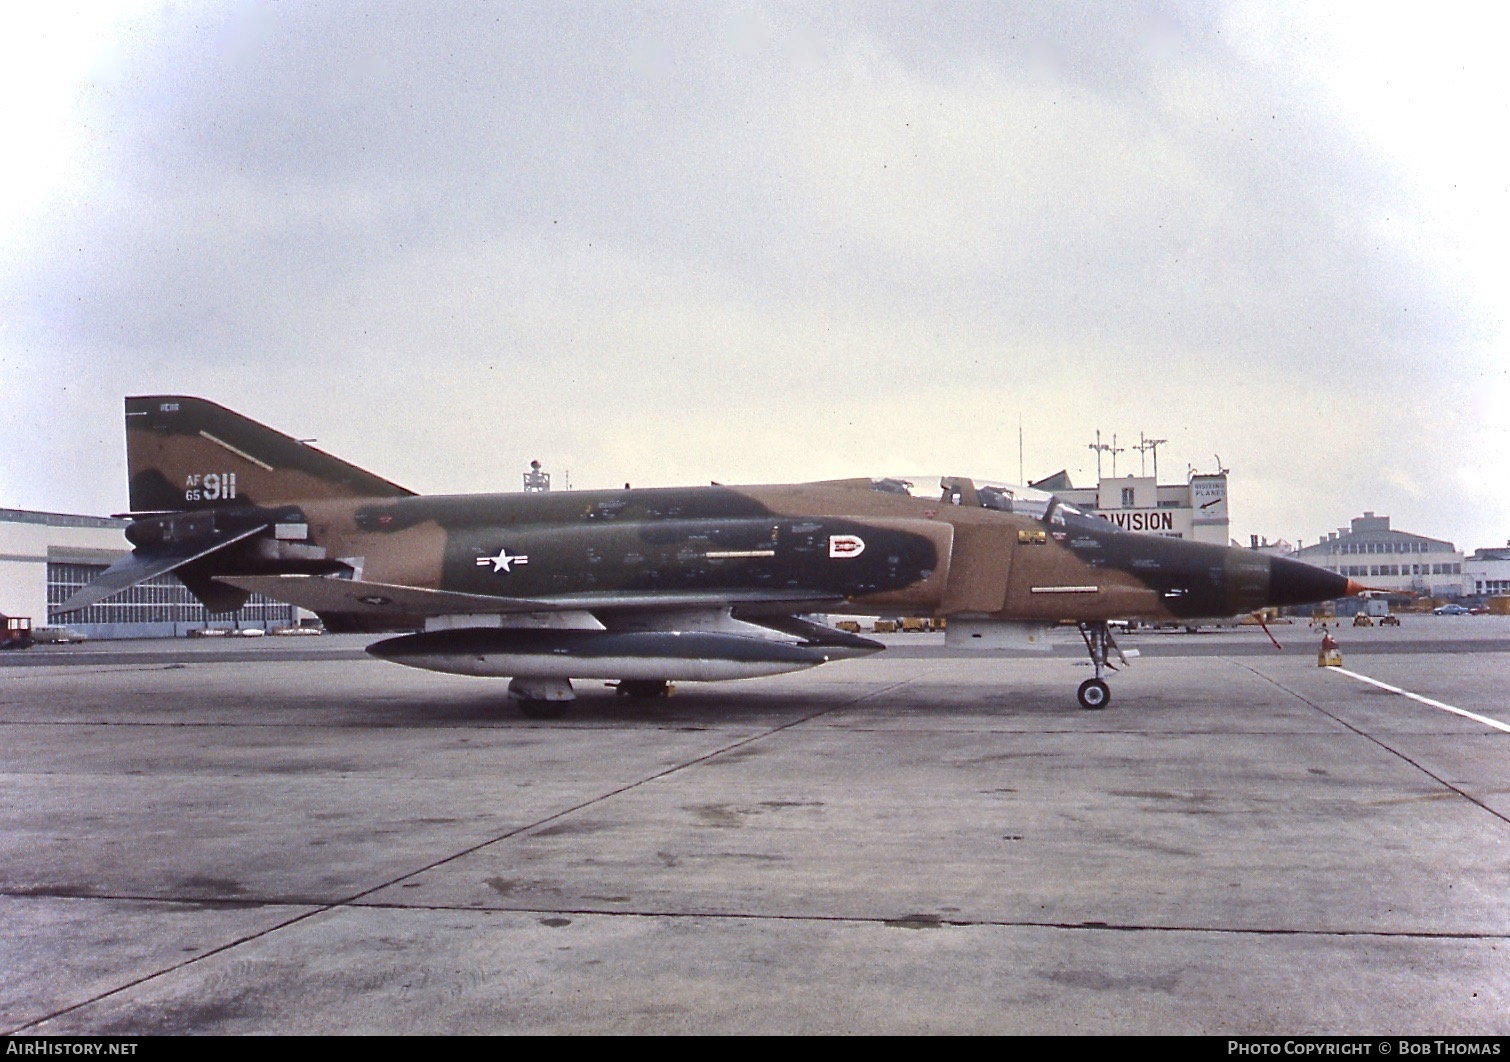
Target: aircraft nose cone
[1294, 583]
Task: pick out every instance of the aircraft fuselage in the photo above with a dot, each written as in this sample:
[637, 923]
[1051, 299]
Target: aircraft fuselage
[839, 542]
[645, 585]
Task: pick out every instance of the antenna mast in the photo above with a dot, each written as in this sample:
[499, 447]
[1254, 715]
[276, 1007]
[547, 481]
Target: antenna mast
[1101, 448]
[1145, 445]
[1019, 449]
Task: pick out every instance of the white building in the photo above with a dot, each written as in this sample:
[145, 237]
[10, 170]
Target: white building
[1196, 509]
[1374, 553]
[31, 541]
[1488, 571]
[45, 557]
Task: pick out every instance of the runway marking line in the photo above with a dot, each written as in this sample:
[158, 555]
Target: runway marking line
[1495, 723]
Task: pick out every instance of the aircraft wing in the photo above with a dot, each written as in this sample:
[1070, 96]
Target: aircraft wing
[332, 594]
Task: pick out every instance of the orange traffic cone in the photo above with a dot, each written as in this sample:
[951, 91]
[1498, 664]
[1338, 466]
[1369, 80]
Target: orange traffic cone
[1330, 655]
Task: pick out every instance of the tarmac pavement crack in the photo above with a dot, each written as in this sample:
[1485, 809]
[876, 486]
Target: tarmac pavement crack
[959, 923]
[842, 919]
[354, 899]
[1427, 771]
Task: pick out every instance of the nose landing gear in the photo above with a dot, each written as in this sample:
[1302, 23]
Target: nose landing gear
[1094, 694]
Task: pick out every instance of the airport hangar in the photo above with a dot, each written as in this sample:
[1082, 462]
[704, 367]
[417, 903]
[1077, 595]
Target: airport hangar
[45, 557]
[1388, 559]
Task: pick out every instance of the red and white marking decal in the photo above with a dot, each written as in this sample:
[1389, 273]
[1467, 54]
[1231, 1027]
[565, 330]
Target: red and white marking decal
[845, 545]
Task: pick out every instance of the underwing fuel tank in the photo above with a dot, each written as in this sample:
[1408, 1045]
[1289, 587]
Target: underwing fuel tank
[692, 656]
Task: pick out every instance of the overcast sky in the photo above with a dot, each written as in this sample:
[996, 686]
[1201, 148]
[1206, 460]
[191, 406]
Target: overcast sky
[674, 243]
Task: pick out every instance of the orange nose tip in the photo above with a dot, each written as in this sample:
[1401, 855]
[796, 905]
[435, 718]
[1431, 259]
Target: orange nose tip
[1354, 588]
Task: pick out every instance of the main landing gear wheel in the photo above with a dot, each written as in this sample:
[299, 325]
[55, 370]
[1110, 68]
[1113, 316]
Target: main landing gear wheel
[541, 698]
[533, 709]
[642, 689]
[1094, 695]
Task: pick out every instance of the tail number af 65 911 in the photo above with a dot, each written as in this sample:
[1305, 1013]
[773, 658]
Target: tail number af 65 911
[210, 486]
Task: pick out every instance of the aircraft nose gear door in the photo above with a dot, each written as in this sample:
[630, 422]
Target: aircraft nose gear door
[1094, 693]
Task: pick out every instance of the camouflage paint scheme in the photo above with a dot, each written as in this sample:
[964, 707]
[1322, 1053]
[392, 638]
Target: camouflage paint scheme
[233, 507]
[920, 556]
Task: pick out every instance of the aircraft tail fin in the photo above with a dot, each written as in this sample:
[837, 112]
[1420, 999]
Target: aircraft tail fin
[186, 453]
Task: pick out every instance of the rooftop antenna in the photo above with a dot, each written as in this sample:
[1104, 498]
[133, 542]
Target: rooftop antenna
[1146, 445]
[1019, 449]
[1100, 448]
[1115, 449]
[536, 481]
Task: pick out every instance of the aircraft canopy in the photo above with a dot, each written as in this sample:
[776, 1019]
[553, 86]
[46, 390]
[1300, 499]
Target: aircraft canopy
[987, 494]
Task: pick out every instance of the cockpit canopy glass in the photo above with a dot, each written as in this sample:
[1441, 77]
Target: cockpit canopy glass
[986, 494]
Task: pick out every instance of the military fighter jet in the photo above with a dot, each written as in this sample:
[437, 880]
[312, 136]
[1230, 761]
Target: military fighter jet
[648, 586]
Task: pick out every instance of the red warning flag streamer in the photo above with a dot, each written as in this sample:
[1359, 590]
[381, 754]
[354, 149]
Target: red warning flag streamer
[1260, 617]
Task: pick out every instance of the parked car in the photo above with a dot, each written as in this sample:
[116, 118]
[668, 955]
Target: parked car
[56, 635]
[1450, 610]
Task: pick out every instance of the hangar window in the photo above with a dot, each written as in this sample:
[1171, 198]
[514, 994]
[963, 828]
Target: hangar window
[159, 600]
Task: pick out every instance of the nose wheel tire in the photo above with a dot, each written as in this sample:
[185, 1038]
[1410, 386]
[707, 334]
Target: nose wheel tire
[1094, 695]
